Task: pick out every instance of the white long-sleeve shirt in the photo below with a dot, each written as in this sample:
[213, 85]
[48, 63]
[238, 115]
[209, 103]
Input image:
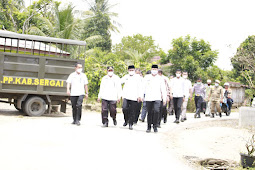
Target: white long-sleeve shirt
[177, 86]
[132, 89]
[110, 88]
[154, 87]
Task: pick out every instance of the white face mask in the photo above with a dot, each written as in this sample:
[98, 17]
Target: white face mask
[110, 73]
[79, 70]
[131, 73]
[178, 75]
[216, 84]
[154, 72]
[198, 82]
[185, 76]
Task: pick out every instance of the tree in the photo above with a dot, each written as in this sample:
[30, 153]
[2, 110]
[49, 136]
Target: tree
[143, 45]
[244, 60]
[192, 55]
[98, 22]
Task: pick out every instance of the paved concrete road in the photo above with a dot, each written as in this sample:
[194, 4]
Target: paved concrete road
[53, 143]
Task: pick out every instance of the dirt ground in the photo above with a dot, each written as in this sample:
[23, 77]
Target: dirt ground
[52, 142]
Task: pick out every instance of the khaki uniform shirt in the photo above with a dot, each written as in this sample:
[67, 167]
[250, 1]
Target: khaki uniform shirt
[216, 93]
[229, 93]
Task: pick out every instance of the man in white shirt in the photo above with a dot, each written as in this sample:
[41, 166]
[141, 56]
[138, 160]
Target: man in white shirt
[188, 93]
[132, 94]
[163, 110]
[110, 93]
[78, 83]
[177, 93]
[155, 91]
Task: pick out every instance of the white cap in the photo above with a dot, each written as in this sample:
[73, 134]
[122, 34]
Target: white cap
[209, 81]
[226, 84]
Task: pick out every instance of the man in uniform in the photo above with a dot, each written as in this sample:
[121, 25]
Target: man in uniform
[154, 87]
[208, 103]
[216, 97]
[110, 93]
[188, 94]
[78, 83]
[163, 110]
[132, 95]
[199, 90]
[177, 93]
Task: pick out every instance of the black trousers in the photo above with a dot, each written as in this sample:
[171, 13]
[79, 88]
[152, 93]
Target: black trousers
[198, 103]
[137, 111]
[178, 106]
[77, 107]
[229, 102]
[108, 105]
[153, 108]
[129, 110]
[163, 112]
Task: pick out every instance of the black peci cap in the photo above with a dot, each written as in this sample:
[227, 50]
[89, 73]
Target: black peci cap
[154, 66]
[131, 67]
[110, 68]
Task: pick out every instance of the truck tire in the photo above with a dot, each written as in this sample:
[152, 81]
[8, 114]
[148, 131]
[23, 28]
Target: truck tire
[35, 106]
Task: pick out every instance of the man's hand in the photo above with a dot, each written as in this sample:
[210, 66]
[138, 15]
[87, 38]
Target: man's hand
[86, 96]
[164, 103]
[98, 100]
[68, 92]
[167, 99]
[118, 100]
[183, 99]
[221, 100]
[139, 99]
[171, 96]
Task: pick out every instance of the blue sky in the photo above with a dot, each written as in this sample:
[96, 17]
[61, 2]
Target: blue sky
[223, 23]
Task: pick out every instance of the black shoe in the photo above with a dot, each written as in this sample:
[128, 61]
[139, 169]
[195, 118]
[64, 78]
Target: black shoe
[130, 127]
[125, 124]
[212, 116]
[182, 120]
[195, 116]
[73, 122]
[142, 120]
[105, 125]
[165, 120]
[176, 121]
[135, 123]
[155, 129]
[220, 114]
[185, 119]
[198, 116]
[114, 122]
[148, 129]
[158, 126]
[78, 123]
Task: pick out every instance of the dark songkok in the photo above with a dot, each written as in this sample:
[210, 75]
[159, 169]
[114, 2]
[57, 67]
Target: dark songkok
[110, 68]
[131, 67]
[154, 66]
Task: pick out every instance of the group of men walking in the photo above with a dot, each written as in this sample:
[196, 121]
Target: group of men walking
[152, 93]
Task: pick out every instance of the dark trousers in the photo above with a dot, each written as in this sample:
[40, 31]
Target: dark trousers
[229, 102]
[138, 111]
[129, 110]
[108, 105]
[77, 107]
[198, 103]
[171, 107]
[163, 113]
[144, 111]
[153, 108]
[177, 106]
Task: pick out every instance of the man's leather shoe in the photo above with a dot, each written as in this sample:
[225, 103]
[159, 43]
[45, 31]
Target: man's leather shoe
[105, 124]
[141, 120]
[114, 122]
[155, 129]
[130, 127]
[185, 119]
[220, 114]
[125, 124]
[78, 123]
[148, 129]
[212, 116]
[182, 120]
[73, 122]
